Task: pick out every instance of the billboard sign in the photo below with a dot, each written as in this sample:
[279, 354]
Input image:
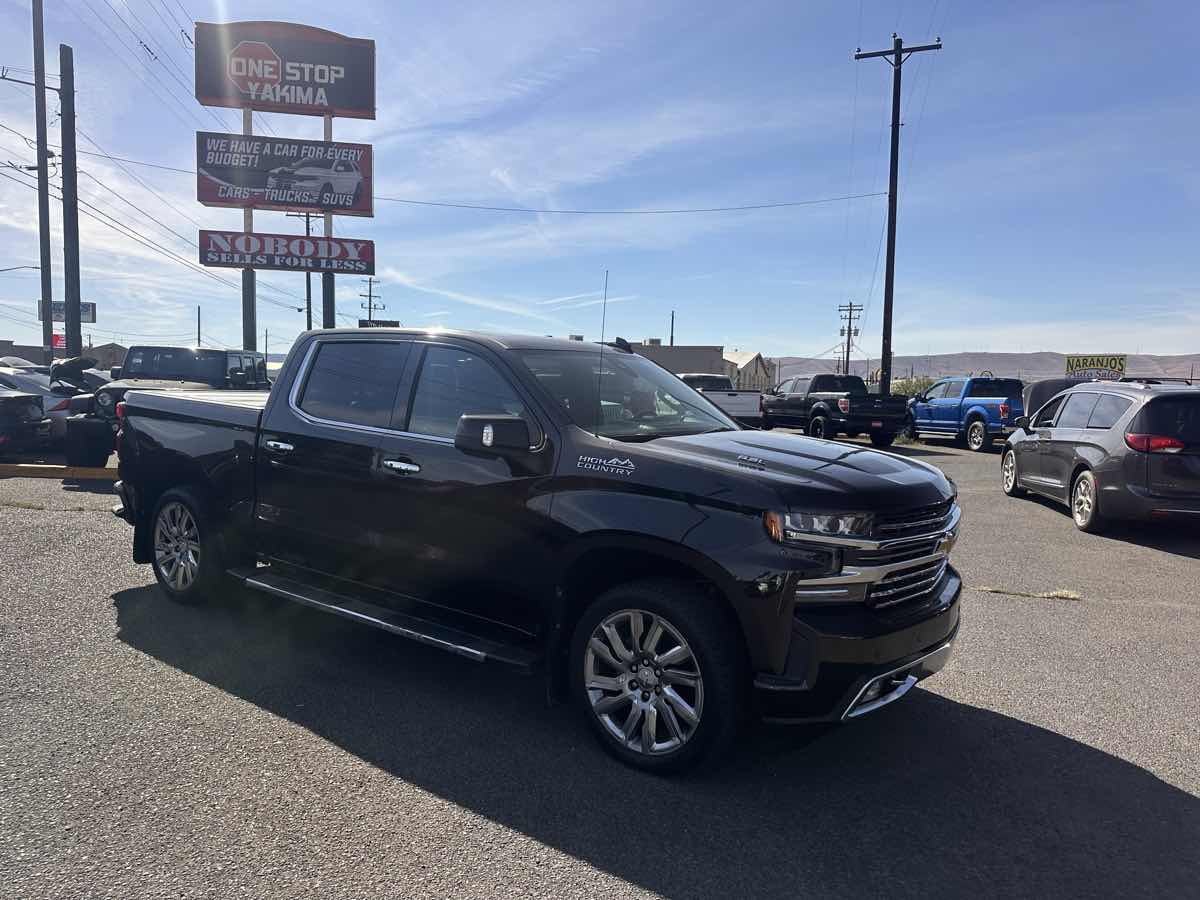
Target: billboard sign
[58, 311]
[1091, 368]
[283, 174]
[283, 67]
[287, 252]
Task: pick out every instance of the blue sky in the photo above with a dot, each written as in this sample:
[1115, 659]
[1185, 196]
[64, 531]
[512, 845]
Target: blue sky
[1049, 185]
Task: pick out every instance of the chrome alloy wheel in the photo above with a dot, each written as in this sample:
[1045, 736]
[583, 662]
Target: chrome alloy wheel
[1008, 471]
[1084, 501]
[975, 436]
[643, 682]
[177, 546]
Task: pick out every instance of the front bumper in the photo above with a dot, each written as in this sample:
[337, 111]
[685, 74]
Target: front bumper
[839, 654]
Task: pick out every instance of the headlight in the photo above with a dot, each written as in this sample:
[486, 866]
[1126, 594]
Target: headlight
[796, 526]
[104, 399]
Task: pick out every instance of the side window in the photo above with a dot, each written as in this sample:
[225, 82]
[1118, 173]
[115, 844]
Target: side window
[800, 386]
[1078, 410]
[937, 391]
[1045, 418]
[233, 362]
[453, 383]
[954, 389]
[786, 386]
[1109, 408]
[355, 382]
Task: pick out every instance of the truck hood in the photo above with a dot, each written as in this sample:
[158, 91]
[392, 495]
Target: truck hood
[808, 473]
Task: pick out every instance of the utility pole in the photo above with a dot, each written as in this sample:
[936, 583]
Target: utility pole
[197, 324]
[850, 313]
[371, 305]
[307, 275]
[672, 328]
[43, 178]
[70, 200]
[895, 58]
[328, 304]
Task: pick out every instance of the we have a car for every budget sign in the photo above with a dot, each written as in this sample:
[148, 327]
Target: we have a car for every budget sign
[286, 252]
[283, 174]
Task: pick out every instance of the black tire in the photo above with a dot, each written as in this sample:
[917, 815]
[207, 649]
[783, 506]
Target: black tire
[910, 428]
[766, 423]
[1092, 521]
[978, 439]
[210, 568]
[1011, 487]
[818, 427]
[716, 651]
[882, 439]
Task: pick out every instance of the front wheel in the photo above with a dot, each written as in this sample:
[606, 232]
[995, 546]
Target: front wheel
[1085, 504]
[882, 439]
[187, 557]
[1009, 479]
[978, 438]
[659, 674]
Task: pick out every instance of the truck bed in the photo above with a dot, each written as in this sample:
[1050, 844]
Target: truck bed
[241, 409]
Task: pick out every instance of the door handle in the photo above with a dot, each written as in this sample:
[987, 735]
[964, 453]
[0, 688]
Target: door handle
[399, 465]
[279, 447]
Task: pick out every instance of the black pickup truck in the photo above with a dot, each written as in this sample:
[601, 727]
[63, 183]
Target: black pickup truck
[825, 406]
[564, 507]
[93, 425]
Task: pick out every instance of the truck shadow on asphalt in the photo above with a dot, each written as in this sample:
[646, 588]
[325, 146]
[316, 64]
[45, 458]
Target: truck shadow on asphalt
[926, 797]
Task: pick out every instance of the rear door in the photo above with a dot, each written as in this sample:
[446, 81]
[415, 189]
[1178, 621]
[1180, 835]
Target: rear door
[1174, 470]
[317, 464]
[464, 531]
[1060, 448]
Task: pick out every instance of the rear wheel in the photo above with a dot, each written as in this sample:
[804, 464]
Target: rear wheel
[659, 675]
[1085, 504]
[978, 438]
[186, 549]
[766, 423]
[1009, 479]
[882, 439]
[818, 427]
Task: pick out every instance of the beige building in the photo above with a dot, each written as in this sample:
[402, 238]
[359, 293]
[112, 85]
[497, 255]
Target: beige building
[680, 358]
[749, 371]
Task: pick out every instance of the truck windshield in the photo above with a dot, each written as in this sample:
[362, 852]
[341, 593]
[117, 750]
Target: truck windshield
[175, 364]
[632, 399]
[708, 382]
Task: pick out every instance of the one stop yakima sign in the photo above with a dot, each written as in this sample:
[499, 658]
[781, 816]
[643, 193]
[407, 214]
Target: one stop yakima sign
[254, 63]
[287, 252]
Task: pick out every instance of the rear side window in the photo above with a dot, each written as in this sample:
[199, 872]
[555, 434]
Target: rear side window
[800, 386]
[355, 382]
[1077, 410]
[453, 383]
[1009, 388]
[954, 389]
[1177, 417]
[841, 384]
[1109, 409]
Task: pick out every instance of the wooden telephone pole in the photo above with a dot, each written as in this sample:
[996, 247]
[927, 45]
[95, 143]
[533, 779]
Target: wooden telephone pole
[896, 58]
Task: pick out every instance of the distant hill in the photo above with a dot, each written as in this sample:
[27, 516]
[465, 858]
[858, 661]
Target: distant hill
[1028, 366]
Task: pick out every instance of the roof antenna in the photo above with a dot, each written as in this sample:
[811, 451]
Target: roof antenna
[600, 374]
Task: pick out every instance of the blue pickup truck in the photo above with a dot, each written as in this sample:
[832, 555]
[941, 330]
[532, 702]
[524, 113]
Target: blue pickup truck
[972, 409]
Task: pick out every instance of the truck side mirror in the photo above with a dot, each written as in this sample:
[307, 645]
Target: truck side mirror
[1022, 422]
[114, 373]
[493, 435]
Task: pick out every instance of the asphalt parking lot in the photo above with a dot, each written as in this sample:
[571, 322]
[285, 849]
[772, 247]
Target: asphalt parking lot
[258, 749]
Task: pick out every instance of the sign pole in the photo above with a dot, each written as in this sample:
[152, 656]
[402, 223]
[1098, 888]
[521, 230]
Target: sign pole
[70, 199]
[328, 309]
[249, 325]
[43, 179]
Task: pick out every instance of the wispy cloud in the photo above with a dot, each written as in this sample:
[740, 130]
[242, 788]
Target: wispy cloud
[505, 306]
[440, 312]
[568, 298]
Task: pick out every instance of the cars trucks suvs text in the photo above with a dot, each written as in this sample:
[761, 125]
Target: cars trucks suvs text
[562, 507]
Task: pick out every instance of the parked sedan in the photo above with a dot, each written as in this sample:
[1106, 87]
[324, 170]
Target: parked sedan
[23, 423]
[1111, 450]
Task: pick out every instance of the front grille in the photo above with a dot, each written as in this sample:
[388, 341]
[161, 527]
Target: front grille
[907, 584]
[903, 553]
[923, 520]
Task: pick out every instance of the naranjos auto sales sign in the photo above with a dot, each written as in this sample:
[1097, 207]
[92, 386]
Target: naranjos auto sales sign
[288, 252]
[283, 67]
[1090, 368]
[283, 174]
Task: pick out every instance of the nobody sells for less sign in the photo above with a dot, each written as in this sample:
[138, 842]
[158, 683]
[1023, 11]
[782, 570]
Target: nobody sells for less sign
[286, 252]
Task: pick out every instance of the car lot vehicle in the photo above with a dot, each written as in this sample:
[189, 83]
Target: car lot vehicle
[974, 410]
[1111, 450]
[56, 393]
[93, 424]
[557, 505]
[743, 406]
[333, 182]
[825, 406]
[23, 422]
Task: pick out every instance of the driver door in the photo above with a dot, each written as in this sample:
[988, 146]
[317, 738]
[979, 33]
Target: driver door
[1029, 451]
[923, 408]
